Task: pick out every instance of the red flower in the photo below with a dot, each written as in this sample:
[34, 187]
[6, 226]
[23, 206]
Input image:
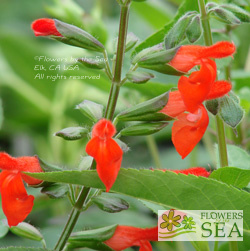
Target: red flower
[201, 85]
[190, 55]
[105, 151]
[45, 27]
[16, 203]
[197, 171]
[125, 237]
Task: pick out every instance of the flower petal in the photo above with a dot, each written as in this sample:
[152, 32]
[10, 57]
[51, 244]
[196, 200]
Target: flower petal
[108, 156]
[175, 105]
[25, 164]
[127, 236]
[219, 89]
[16, 203]
[195, 88]
[190, 55]
[45, 27]
[103, 129]
[188, 130]
[197, 171]
[145, 246]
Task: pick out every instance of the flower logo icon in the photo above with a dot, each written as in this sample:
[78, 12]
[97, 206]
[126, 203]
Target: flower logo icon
[170, 220]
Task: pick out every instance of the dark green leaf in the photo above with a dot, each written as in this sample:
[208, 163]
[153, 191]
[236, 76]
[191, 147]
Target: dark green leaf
[48, 167]
[94, 245]
[241, 14]
[232, 176]
[139, 77]
[110, 203]
[146, 111]
[91, 110]
[165, 188]
[212, 106]
[72, 133]
[231, 111]
[55, 190]
[178, 31]
[194, 30]
[26, 230]
[143, 129]
[75, 36]
[92, 63]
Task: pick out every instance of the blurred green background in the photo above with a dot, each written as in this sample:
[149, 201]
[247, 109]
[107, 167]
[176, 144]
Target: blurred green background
[34, 109]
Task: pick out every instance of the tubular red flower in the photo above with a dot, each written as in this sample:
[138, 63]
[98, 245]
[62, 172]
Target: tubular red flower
[45, 27]
[219, 89]
[175, 105]
[197, 171]
[188, 130]
[105, 151]
[126, 236]
[190, 55]
[195, 88]
[16, 203]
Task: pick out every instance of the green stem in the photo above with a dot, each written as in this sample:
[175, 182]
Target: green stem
[216, 244]
[154, 151]
[115, 88]
[233, 246]
[107, 67]
[219, 123]
[113, 96]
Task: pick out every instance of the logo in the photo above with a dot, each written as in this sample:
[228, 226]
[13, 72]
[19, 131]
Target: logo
[200, 225]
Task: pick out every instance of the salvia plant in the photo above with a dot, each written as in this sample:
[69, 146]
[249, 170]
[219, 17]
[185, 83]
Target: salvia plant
[195, 51]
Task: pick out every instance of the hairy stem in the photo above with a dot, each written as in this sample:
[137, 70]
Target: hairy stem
[113, 96]
[154, 151]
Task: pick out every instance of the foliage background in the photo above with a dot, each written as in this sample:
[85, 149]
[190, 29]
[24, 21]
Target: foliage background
[34, 109]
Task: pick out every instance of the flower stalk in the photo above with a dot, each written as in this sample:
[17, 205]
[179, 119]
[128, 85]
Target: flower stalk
[109, 114]
[219, 123]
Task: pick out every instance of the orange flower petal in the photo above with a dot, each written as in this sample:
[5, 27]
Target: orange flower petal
[190, 55]
[219, 89]
[195, 88]
[188, 130]
[24, 164]
[126, 236]
[45, 27]
[197, 171]
[108, 156]
[103, 129]
[16, 203]
[175, 105]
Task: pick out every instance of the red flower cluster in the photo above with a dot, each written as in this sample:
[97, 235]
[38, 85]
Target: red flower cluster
[16, 203]
[45, 27]
[186, 104]
[105, 151]
[125, 237]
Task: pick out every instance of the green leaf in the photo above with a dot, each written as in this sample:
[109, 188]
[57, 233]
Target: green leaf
[23, 249]
[241, 14]
[72, 133]
[224, 15]
[194, 30]
[92, 63]
[91, 110]
[143, 129]
[26, 230]
[177, 33]
[146, 111]
[4, 229]
[110, 203]
[165, 188]
[55, 190]
[48, 167]
[213, 106]
[75, 36]
[236, 157]
[92, 238]
[158, 37]
[139, 77]
[232, 176]
[231, 111]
